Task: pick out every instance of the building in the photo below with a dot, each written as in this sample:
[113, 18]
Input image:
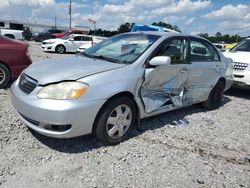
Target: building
[35, 27]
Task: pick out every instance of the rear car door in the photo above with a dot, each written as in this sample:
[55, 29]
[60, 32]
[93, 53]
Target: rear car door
[86, 40]
[165, 85]
[205, 69]
[75, 43]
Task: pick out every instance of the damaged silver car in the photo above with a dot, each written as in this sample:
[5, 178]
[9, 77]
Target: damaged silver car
[107, 89]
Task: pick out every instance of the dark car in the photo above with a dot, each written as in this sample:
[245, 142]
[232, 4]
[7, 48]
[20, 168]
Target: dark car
[46, 34]
[14, 58]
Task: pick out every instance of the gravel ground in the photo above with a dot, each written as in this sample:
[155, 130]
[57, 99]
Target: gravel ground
[212, 151]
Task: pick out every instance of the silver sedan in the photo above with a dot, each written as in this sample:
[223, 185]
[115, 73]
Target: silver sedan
[107, 89]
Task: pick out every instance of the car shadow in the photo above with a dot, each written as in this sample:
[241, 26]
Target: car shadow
[86, 143]
[9, 84]
[238, 92]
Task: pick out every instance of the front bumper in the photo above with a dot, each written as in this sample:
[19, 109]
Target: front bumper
[48, 47]
[80, 50]
[36, 113]
[242, 78]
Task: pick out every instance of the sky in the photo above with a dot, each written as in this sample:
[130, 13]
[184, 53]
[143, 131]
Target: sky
[191, 16]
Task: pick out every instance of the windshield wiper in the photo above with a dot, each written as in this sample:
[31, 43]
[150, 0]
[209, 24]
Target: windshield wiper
[105, 58]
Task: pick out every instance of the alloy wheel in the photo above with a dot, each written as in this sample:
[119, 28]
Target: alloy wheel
[119, 121]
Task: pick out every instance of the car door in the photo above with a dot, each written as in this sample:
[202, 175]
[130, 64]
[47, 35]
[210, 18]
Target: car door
[165, 86]
[205, 69]
[87, 40]
[75, 43]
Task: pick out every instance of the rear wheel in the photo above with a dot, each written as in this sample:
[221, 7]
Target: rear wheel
[10, 36]
[115, 120]
[60, 49]
[215, 97]
[4, 75]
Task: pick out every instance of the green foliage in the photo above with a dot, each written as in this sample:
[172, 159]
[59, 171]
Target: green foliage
[219, 38]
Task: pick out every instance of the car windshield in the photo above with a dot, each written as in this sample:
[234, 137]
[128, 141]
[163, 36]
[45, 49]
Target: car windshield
[66, 37]
[124, 48]
[242, 46]
[66, 32]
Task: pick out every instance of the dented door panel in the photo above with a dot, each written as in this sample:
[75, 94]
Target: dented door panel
[202, 78]
[164, 86]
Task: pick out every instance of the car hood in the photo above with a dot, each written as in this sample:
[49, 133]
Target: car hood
[238, 56]
[71, 68]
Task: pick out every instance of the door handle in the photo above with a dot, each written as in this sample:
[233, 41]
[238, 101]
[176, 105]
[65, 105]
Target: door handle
[183, 70]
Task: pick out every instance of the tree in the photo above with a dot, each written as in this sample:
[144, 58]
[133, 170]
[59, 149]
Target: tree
[163, 24]
[218, 34]
[205, 35]
[124, 27]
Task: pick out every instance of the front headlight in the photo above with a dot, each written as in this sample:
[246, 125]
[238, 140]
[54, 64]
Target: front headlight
[49, 42]
[63, 90]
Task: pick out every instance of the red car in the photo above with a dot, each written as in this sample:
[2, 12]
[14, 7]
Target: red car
[67, 33]
[14, 58]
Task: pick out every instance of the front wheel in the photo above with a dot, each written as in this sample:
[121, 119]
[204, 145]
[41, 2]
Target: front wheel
[215, 97]
[60, 49]
[115, 120]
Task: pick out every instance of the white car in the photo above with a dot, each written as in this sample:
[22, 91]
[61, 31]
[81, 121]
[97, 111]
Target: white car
[240, 55]
[12, 34]
[96, 39]
[66, 44]
[220, 46]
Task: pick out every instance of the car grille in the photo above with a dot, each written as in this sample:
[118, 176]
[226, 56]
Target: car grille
[240, 66]
[27, 84]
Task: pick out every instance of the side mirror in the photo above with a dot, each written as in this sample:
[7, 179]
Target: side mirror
[160, 60]
[71, 39]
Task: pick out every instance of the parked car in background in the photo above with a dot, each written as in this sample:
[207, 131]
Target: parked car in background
[220, 46]
[14, 58]
[67, 33]
[230, 46]
[96, 39]
[46, 34]
[240, 55]
[67, 44]
[107, 89]
[12, 34]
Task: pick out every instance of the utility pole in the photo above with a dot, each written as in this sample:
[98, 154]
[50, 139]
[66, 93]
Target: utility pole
[55, 22]
[70, 14]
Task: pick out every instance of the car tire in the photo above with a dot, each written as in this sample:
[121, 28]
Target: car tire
[215, 97]
[60, 49]
[115, 121]
[10, 36]
[4, 75]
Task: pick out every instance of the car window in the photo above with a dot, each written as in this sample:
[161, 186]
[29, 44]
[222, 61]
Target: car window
[175, 49]
[86, 39]
[202, 51]
[77, 38]
[243, 46]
